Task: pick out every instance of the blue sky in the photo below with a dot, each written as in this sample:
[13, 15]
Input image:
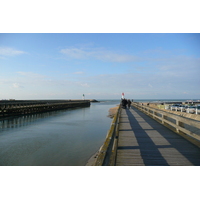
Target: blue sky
[99, 65]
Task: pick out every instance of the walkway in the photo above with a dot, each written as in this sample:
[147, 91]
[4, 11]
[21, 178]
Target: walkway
[145, 142]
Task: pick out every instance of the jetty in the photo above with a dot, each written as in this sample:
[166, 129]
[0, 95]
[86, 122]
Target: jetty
[23, 107]
[145, 136]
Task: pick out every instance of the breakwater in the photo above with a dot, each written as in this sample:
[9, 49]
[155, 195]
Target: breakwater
[23, 107]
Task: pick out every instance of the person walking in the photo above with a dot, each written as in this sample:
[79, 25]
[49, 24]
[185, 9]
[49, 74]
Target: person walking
[124, 103]
[129, 103]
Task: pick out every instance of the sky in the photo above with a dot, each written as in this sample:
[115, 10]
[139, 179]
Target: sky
[99, 65]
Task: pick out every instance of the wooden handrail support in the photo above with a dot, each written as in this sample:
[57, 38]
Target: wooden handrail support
[153, 112]
[112, 135]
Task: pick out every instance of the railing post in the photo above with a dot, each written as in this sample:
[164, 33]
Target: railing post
[177, 123]
[162, 118]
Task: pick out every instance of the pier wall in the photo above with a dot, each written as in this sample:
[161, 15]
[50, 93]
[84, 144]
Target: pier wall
[23, 107]
[107, 153]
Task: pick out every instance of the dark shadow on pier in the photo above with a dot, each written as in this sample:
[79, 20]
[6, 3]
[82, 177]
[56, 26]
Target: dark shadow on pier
[149, 151]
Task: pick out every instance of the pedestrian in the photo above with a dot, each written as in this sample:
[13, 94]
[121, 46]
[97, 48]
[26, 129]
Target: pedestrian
[129, 103]
[124, 103]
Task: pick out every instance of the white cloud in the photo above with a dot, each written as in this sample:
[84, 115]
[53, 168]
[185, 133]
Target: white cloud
[17, 85]
[75, 53]
[97, 53]
[114, 57]
[84, 84]
[31, 75]
[150, 85]
[7, 51]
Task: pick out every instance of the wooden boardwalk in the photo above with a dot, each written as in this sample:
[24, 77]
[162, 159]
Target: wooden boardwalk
[145, 142]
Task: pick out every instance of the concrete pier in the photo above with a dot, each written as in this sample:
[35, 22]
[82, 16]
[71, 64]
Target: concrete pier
[23, 107]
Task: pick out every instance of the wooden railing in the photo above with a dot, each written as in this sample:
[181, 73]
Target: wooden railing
[107, 152]
[188, 128]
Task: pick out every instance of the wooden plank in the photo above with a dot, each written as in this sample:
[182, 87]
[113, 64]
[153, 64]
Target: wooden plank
[143, 141]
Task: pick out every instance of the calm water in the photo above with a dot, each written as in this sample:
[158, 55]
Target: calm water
[60, 138]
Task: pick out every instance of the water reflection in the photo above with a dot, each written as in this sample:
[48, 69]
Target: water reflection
[58, 138]
[26, 120]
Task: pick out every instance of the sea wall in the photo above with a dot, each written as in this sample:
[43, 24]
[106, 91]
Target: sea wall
[23, 107]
